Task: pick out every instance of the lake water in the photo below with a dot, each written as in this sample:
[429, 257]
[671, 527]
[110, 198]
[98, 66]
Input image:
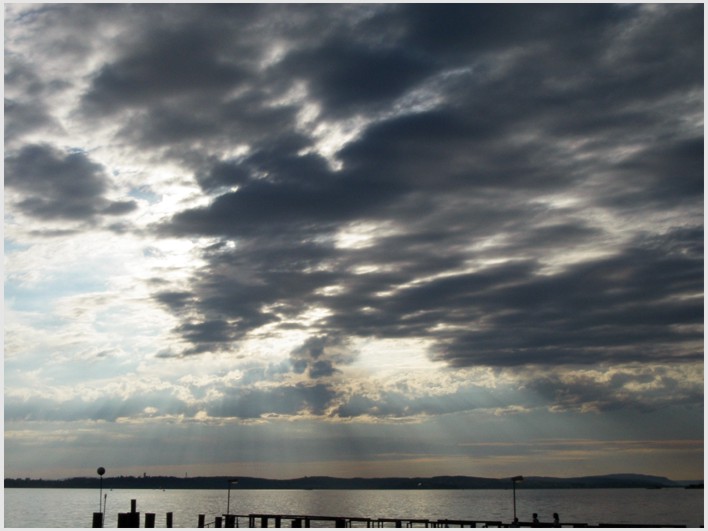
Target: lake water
[74, 507]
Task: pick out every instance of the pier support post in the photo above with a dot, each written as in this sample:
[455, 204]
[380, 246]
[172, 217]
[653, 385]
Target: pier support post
[97, 520]
[168, 520]
[200, 521]
[131, 519]
[150, 520]
[128, 519]
[297, 522]
[217, 521]
[229, 520]
[264, 521]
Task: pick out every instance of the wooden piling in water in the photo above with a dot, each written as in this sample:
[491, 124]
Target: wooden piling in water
[168, 520]
[97, 520]
[131, 519]
[123, 520]
[149, 520]
[134, 514]
[217, 521]
[128, 519]
[200, 521]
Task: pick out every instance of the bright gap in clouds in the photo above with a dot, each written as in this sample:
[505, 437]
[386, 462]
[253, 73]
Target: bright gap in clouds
[388, 355]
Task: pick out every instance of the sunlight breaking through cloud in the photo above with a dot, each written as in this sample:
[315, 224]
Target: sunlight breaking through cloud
[365, 237]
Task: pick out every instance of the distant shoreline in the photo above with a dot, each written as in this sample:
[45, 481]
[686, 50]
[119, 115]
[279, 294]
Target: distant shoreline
[325, 482]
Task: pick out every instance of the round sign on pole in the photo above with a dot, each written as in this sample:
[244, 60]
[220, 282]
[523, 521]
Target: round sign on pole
[101, 470]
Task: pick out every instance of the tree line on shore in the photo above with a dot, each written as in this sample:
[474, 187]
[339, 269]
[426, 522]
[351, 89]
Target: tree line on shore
[325, 482]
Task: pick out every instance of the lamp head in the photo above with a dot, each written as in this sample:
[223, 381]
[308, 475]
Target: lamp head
[101, 471]
[517, 478]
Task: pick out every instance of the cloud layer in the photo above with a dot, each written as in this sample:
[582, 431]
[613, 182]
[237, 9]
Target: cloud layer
[282, 192]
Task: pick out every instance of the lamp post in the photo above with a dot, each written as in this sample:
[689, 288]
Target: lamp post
[514, 480]
[100, 471]
[228, 497]
[99, 517]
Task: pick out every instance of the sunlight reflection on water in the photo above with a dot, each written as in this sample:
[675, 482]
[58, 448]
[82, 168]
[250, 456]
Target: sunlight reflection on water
[74, 507]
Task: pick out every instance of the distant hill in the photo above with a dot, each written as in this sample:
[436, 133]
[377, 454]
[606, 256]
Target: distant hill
[325, 482]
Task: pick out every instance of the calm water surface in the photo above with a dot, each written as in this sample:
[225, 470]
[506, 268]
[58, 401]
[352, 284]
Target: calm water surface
[74, 507]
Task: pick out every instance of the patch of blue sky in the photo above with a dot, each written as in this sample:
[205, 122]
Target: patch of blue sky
[11, 246]
[38, 296]
[145, 193]
[67, 366]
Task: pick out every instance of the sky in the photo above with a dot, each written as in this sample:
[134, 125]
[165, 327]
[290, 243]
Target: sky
[356, 240]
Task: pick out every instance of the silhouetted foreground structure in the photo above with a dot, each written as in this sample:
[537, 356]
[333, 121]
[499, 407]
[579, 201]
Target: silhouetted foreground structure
[299, 521]
[132, 519]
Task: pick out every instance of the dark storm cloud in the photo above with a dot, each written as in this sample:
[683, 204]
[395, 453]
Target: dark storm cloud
[240, 292]
[318, 355]
[243, 119]
[25, 92]
[60, 186]
[283, 400]
[461, 29]
[597, 311]
[21, 118]
[195, 72]
[344, 75]
[667, 175]
[170, 64]
[498, 140]
[261, 205]
[591, 312]
[169, 55]
[217, 331]
[643, 391]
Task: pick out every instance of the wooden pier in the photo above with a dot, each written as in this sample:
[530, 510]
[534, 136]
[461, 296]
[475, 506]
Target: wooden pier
[307, 521]
[263, 520]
